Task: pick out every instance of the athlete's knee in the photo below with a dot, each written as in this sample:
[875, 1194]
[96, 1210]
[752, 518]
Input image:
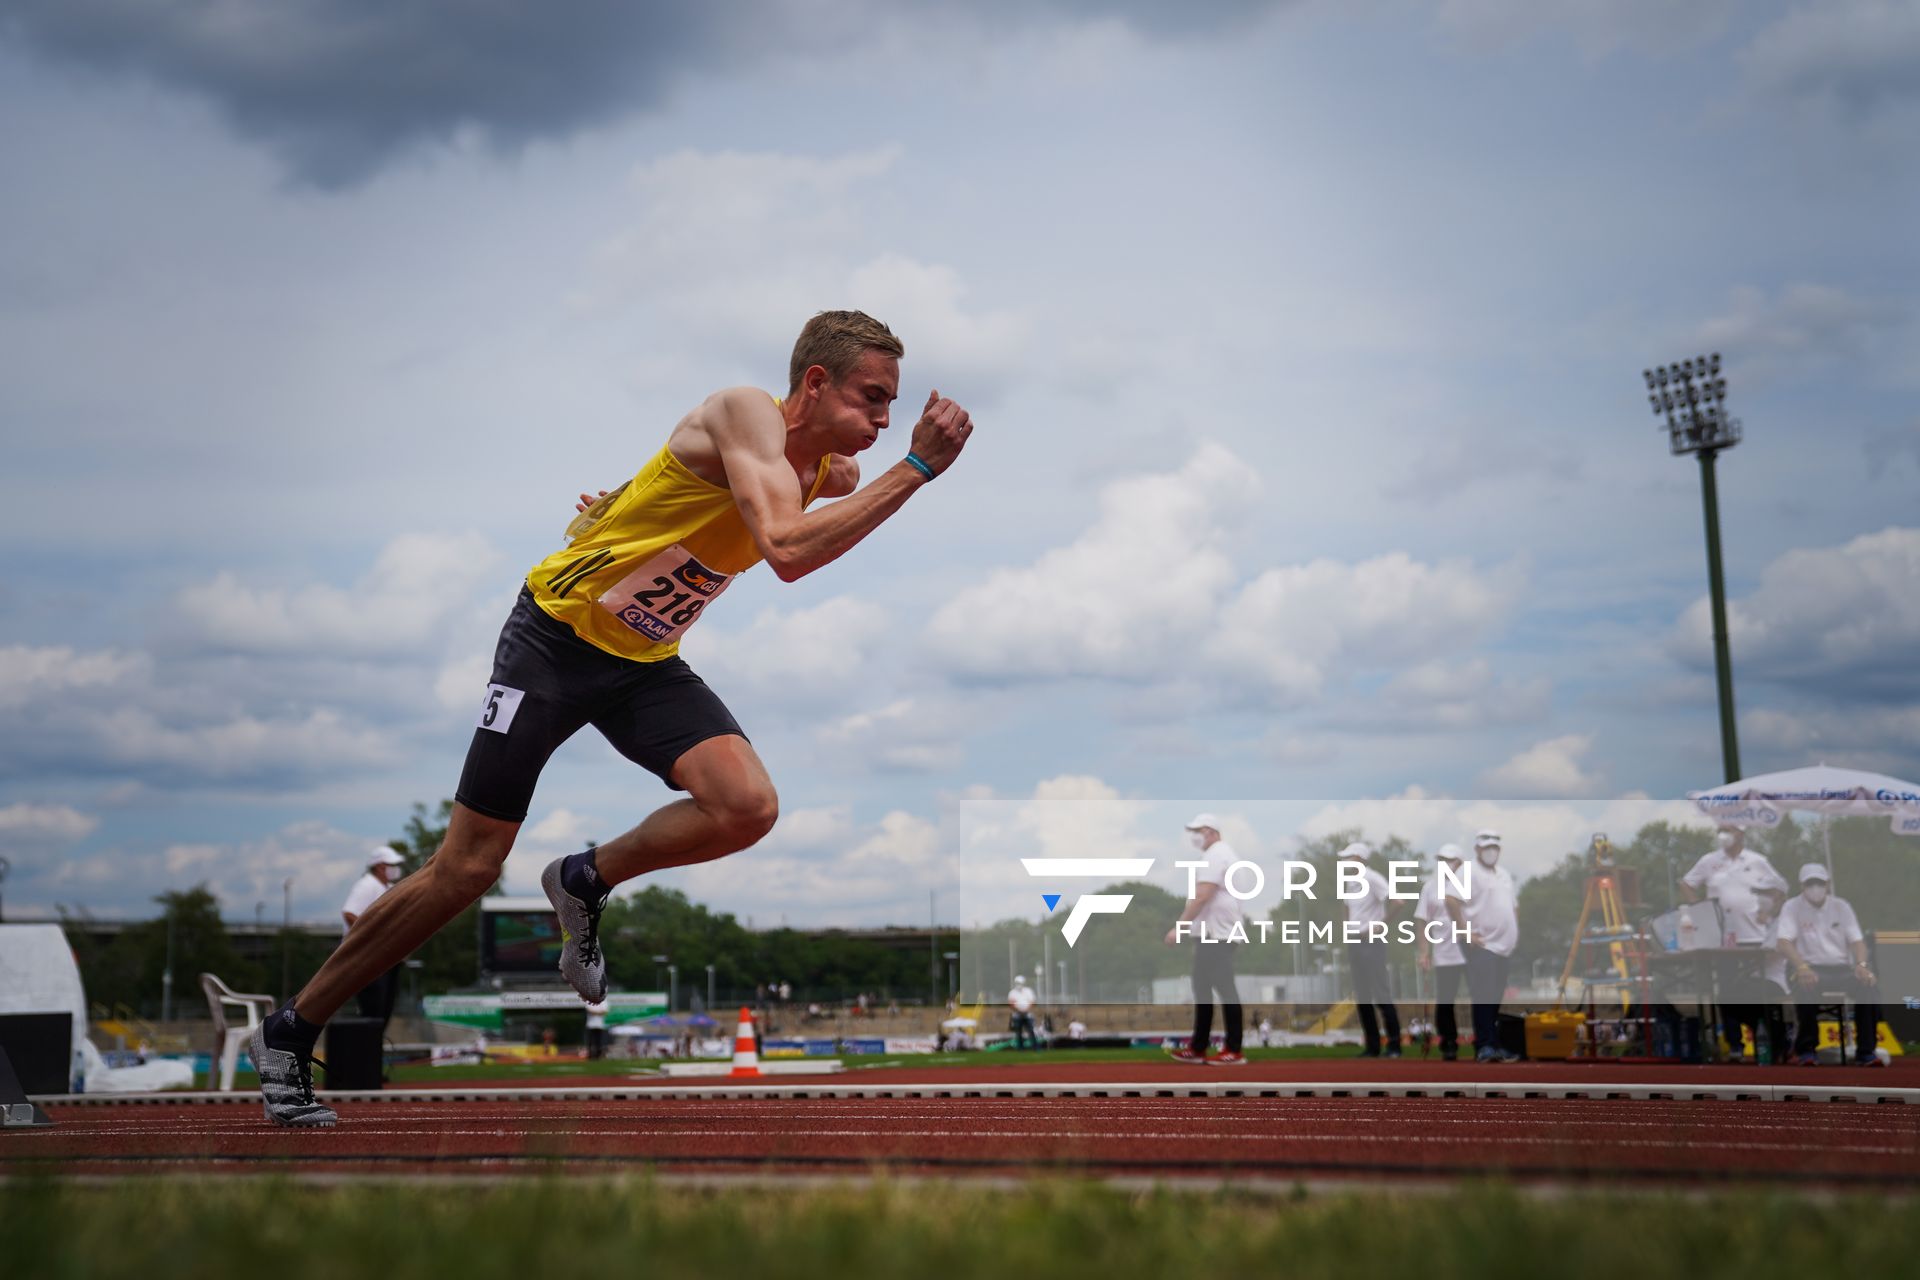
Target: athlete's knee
[472, 864]
[746, 813]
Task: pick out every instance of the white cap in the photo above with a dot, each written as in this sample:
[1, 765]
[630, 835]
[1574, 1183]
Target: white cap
[1358, 849]
[1815, 871]
[385, 857]
[1203, 820]
[1486, 836]
[1451, 852]
[1020, 980]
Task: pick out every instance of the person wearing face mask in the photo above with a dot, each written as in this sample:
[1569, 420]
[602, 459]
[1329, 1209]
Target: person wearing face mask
[1749, 892]
[1488, 907]
[1826, 950]
[1368, 959]
[1443, 957]
[375, 1000]
[1212, 913]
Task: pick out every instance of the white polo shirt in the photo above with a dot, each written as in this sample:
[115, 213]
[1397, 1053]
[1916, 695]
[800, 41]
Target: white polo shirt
[1373, 906]
[363, 894]
[1021, 998]
[1432, 907]
[1821, 934]
[1222, 911]
[1737, 883]
[1491, 906]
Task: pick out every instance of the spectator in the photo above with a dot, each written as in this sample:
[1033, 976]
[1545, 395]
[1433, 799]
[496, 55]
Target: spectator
[1076, 1030]
[1444, 957]
[1213, 914]
[1822, 940]
[1488, 909]
[383, 870]
[1020, 1019]
[1749, 892]
[597, 1030]
[1368, 960]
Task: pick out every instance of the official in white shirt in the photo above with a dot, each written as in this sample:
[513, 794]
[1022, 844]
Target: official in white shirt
[383, 871]
[1368, 960]
[1020, 1003]
[597, 1030]
[1822, 940]
[1444, 957]
[1749, 892]
[1212, 912]
[1490, 908]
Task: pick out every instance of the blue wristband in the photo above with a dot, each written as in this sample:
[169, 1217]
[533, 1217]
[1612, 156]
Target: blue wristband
[919, 464]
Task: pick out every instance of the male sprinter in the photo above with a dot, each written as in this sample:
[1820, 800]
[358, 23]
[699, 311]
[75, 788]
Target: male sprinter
[593, 640]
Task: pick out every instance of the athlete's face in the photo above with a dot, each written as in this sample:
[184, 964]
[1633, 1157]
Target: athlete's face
[856, 409]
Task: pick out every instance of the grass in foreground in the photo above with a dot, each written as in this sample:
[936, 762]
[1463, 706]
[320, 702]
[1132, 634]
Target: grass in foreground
[154, 1228]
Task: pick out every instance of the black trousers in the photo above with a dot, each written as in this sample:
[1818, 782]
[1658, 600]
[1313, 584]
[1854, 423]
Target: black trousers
[1213, 979]
[1866, 1013]
[1748, 1000]
[1446, 982]
[1021, 1024]
[1486, 987]
[1368, 960]
[377, 997]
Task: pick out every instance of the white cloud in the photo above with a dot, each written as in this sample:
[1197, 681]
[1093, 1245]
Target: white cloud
[1123, 599]
[1291, 627]
[748, 243]
[1456, 695]
[1843, 619]
[1803, 327]
[43, 825]
[823, 870]
[1545, 769]
[29, 673]
[416, 584]
[1536, 835]
[246, 747]
[906, 735]
[1146, 593]
[800, 657]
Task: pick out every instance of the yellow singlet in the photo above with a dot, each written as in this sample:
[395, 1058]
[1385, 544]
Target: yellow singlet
[644, 562]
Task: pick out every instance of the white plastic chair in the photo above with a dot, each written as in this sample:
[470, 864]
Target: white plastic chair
[230, 1038]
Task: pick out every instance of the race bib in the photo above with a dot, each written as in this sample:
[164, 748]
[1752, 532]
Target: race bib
[665, 595]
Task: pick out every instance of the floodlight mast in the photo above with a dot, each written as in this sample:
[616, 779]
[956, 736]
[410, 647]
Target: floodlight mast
[1692, 396]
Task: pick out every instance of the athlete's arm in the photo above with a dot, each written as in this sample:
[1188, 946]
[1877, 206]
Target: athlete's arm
[750, 437]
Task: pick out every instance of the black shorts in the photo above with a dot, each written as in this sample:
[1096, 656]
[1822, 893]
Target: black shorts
[547, 682]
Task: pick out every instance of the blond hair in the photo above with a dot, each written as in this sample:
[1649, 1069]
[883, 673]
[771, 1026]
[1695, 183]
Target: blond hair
[835, 340]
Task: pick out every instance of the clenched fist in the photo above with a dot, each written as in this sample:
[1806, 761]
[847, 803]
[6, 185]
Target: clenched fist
[941, 432]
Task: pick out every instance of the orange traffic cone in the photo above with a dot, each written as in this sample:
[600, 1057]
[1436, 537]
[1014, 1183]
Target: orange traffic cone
[746, 1059]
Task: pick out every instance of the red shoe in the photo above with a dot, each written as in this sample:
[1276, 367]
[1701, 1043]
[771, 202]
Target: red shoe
[1227, 1060]
[1185, 1053]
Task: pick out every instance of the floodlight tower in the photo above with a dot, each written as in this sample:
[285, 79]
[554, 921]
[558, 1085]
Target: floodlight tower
[1692, 396]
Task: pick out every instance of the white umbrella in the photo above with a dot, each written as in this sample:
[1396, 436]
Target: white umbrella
[960, 1022]
[1823, 789]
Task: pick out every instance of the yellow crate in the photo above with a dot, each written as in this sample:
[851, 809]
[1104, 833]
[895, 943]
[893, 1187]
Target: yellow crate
[1553, 1033]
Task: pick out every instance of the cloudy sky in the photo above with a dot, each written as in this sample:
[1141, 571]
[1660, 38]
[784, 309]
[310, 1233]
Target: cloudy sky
[1313, 463]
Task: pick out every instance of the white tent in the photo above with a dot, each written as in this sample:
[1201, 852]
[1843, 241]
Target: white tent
[1759, 801]
[1831, 792]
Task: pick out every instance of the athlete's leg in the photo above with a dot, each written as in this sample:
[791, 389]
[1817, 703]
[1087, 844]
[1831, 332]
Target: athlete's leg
[464, 868]
[730, 804]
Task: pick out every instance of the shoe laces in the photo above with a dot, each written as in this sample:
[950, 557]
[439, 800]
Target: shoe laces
[590, 936]
[303, 1065]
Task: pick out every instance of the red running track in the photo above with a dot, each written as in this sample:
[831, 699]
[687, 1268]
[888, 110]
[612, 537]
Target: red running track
[1609, 1141]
